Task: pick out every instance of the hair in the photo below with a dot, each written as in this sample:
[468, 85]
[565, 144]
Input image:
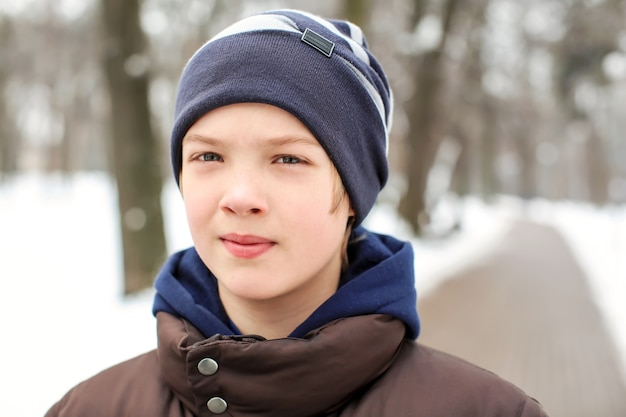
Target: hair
[339, 195]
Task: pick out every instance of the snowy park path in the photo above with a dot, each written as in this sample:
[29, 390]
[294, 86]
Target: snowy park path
[525, 311]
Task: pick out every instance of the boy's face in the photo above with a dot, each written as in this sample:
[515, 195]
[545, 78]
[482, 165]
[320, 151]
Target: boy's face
[258, 192]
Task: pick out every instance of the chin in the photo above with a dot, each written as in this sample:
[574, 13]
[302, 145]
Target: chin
[253, 291]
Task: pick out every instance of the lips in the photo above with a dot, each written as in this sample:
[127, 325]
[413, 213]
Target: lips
[246, 246]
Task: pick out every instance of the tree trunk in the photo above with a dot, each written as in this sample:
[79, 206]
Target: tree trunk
[424, 130]
[134, 150]
[599, 168]
[423, 140]
[488, 149]
[357, 12]
[8, 139]
[462, 174]
[527, 185]
[474, 111]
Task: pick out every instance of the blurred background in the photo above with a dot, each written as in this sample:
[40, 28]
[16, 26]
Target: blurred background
[508, 166]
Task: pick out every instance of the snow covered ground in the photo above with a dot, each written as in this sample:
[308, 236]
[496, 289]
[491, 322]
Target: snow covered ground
[63, 318]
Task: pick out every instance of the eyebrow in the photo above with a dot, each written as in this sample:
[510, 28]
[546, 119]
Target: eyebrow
[288, 140]
[199, 138]
[275, 141]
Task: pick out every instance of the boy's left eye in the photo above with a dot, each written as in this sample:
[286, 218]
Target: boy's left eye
[288, 159]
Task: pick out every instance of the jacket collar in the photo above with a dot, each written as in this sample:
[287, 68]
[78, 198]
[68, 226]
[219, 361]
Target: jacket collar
[306, 376]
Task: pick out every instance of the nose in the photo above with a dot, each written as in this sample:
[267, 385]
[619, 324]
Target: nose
[244, 195]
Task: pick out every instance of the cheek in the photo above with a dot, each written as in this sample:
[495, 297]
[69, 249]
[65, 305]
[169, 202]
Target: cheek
[194, 217]
[198, 206]
[314, 215]
[308, 203]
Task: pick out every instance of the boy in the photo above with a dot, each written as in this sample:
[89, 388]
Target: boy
[286, 306]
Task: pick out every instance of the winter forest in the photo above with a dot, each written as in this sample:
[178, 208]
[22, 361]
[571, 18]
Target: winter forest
[500, 97]
[494, 99]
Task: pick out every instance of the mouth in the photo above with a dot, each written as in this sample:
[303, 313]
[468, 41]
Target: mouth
[246, 246]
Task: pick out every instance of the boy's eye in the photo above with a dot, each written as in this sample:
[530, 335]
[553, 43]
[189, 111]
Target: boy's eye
[210, 156]
[288, 159]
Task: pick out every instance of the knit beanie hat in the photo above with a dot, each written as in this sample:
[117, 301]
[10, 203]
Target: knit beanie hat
[319, 70]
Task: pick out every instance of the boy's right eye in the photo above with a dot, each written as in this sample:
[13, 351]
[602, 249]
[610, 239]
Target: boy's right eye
[209, 157]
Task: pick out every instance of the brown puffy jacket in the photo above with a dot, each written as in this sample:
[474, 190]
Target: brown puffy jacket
[359, 366]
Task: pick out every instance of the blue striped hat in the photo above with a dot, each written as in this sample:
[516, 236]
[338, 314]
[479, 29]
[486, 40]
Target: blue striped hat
[319, 70]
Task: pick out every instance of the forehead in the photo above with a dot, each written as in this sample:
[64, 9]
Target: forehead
[251, 122]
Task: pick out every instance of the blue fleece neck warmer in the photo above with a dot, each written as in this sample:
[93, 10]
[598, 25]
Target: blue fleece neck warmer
[379, 280]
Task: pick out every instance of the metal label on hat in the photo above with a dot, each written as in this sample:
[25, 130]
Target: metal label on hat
[318, 42]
